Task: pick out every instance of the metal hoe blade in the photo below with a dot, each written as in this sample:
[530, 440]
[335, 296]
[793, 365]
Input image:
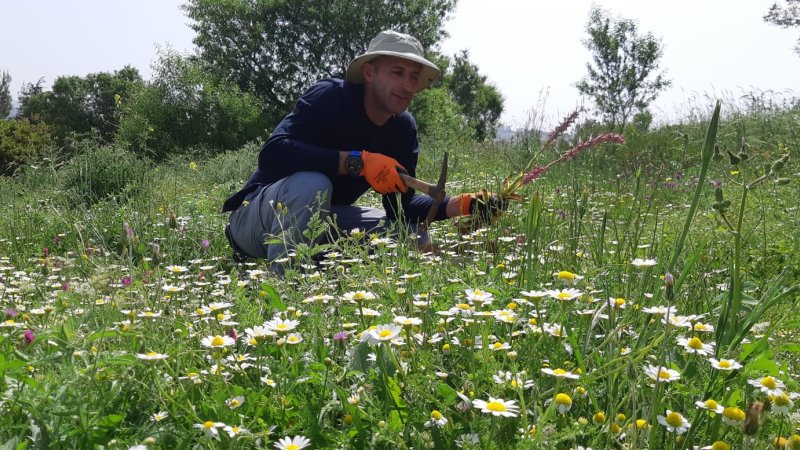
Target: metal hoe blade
[437, 196]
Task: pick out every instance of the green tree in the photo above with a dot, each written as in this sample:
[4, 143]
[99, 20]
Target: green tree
[185, 107]
[29, 91]
[480, 102]
[277, 48]
[5, 95]
[785, 16]
[622, 76]
[81, 104]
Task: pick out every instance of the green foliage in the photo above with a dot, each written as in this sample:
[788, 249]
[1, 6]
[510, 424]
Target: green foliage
[78, 105]
[98, 298]
[785, 16]
[277, 48]
[5, 95]
[28, 91]
[480, 102]
[622, 75]
[22, 142]
[439, 117]
[102, 172]
[184, 107]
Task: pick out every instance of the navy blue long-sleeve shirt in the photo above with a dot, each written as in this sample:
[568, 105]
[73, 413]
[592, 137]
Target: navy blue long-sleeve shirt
[328, 118]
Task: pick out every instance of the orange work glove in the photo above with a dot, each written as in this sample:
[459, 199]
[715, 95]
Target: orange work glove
[483, 205]
[380, 171]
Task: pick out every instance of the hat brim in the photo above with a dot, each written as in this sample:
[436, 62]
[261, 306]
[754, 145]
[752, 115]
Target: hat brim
[428, 75]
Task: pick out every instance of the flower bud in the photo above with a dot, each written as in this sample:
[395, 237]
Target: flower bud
[718, 195]
[717, 154]
[778, 165]
[734, 160]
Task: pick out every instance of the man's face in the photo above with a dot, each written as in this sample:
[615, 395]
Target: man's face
[392, 82]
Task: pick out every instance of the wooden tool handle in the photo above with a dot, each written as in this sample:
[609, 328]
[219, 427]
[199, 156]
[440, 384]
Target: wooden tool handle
[419, 185]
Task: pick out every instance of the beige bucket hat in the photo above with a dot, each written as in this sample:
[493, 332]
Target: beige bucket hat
[392, 43]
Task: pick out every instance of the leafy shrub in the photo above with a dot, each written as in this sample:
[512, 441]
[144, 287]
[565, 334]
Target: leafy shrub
[183, 108]
[78, 105]
[101, 172]
[439, 118]
[231, 167]
[21, 142]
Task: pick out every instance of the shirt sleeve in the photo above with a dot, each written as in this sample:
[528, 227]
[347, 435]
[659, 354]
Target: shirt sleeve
[284, 153]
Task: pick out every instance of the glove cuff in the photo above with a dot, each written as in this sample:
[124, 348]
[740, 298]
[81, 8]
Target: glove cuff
[465, 204]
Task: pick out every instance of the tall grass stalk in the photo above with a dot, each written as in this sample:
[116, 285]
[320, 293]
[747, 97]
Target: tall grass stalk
[707, 152]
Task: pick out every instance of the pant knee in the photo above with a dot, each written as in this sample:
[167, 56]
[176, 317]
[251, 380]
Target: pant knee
[312, 188]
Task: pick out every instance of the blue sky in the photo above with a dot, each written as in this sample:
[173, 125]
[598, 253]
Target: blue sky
[532, 51]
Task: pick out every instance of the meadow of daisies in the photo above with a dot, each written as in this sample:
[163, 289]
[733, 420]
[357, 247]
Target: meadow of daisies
[638, 296]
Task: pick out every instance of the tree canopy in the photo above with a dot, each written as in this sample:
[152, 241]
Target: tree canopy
[5, 95]
[79, 104]
[480, 101]
[622, 75]
[785, 16]
[277, 48]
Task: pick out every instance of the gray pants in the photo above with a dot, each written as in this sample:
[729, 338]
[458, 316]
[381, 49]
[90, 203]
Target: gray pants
[300, 196]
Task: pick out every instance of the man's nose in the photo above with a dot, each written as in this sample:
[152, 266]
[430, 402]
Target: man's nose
[409, 84]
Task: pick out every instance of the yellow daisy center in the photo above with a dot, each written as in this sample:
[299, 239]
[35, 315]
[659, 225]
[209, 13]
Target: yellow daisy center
[208, 424]
[720, 445]
[559, 372]
[769, 382]
[700, 327]
[564, 275]
[292, 447]
[675, 419]
[217, 341]
[514, 383]
[619, 302]
[498, 345]
[695, 343]
[436, 415]
[359, 296]
[496, 406]
[641, 424]
[281, 326]
[781, 400]
[477, 292]
[564, 295]
[733, 413]
[563, 399]
[711, 404]
[151, 354]
[663, 374]
[235, 402]
[725, 364]
[463, 306]
[384, 333]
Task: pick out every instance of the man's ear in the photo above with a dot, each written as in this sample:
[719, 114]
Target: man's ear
[368, 70]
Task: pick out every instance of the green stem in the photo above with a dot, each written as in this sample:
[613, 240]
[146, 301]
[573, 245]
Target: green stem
[708, 151]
